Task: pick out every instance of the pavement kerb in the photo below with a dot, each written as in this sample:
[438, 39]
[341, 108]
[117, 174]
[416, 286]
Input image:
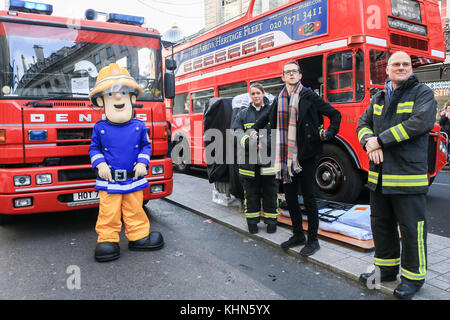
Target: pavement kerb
[294, 252]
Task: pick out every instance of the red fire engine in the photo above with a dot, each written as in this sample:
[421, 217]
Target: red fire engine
[47, 67]
[342, 47]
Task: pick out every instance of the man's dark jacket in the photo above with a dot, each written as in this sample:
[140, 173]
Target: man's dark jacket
[402, 123]
[311, 110]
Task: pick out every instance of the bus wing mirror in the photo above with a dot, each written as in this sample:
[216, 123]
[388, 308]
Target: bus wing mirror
[169, 85]
[171, 64]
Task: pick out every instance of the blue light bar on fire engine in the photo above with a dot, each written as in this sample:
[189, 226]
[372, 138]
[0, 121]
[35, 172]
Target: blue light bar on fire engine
[126, 19]
[32, 7]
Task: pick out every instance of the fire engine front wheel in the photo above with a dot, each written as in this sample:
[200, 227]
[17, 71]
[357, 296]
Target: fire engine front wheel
[336, 177]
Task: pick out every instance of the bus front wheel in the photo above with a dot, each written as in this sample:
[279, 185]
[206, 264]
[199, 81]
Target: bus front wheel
[336, 177]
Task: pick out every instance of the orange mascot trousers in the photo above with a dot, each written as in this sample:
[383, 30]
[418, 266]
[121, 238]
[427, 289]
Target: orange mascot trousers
[112, 207]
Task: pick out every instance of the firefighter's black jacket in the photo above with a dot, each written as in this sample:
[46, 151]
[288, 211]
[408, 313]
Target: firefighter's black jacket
[401, 120]
[244, 121]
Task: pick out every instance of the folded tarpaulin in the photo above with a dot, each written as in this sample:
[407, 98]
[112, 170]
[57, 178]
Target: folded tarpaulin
[346, 230]
[358, 216]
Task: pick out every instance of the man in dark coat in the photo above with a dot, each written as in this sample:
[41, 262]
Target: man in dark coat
[296, 115]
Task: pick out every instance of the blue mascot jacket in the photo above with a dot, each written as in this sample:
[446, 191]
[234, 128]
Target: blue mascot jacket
[121, 146]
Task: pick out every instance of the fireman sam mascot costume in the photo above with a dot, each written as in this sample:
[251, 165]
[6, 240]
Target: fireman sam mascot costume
[120, 153]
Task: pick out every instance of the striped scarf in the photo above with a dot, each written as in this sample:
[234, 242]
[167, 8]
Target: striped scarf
[286, 161]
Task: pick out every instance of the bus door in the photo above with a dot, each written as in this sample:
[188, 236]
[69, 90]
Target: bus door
[199, 101]
[181, 126]
[312, 77]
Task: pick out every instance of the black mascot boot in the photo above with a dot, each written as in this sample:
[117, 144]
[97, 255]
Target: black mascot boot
[154, 241]
[407, 289]
[107, 251]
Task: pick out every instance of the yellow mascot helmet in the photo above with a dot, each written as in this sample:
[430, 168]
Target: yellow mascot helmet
[114, 78]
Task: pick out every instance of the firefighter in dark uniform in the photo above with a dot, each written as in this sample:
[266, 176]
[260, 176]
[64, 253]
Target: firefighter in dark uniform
[394, 132]
[256, 175]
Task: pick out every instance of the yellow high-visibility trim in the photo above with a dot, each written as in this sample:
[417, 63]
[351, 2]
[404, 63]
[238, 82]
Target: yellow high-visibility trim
[247, 172]
[387, 262]
[405, 107]
[396, 136]
[268, 171]
[248, 125]
[270, 215]
[402, 130]
[399, 133]
[391, 180]
[252, 214]
[373, 177]
[421, 248]
[412, 276]
[363, 132]
[377, 109]
[243, 139]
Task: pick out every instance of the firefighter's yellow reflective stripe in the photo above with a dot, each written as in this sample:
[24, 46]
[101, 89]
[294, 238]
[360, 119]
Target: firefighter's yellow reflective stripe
[405, 107]
[421, 248]
[268, 171]
[399, 133]
[377, 109]
[252, 214]
[245, 137]
[270, 215]
[412, 276]
[248, 125]
[247, 172]
[387, 262]
[363, 132]
[416, 180]
[373, 177]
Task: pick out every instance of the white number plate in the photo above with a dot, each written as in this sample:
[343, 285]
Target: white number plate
[83, 196]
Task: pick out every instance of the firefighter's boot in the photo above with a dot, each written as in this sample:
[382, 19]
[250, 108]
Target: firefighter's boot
[407, 289]
[107, 251]
[154, 241]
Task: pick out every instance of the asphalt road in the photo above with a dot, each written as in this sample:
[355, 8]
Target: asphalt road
[50, 256]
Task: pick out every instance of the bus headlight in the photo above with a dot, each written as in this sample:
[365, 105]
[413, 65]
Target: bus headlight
[20, 181]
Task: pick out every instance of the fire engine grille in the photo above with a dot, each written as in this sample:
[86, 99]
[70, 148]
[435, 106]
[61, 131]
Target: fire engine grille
[70, 104]
[405, 41]
[70, 137]
[75, 175]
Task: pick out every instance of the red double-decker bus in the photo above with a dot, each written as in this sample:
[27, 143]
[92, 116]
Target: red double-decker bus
[342, 48]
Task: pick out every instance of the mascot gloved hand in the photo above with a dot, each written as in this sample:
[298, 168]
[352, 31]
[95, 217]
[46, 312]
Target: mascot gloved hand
[120, 153]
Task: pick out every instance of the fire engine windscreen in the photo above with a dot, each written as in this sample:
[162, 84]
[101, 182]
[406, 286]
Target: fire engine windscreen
[37, 61]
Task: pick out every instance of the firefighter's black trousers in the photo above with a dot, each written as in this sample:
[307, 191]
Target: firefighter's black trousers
[259, 187]
[408, 212]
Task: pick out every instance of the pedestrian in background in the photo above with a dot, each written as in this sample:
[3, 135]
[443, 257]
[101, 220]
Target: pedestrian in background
[444, 122]
[258, 179]
[394, 132]
[296, 115]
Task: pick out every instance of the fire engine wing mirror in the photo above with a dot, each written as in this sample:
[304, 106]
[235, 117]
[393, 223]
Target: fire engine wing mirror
[171, 64]
[169, 85]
